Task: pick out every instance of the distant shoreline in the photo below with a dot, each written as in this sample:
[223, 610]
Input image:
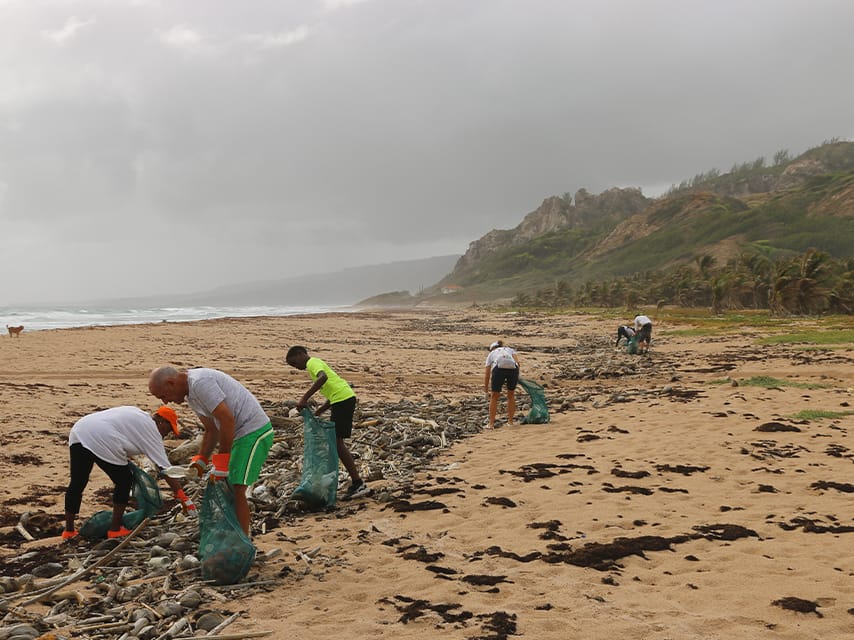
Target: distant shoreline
[47, 318]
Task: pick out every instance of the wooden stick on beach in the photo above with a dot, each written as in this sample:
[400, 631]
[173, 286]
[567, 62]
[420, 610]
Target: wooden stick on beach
[82, 572]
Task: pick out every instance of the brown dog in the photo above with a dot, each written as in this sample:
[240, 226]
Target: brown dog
[14, 331]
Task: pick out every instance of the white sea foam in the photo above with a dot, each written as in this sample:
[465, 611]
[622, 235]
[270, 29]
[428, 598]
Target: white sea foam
[36, 318]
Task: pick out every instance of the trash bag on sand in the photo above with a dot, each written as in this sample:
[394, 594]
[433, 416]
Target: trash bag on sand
[96, 527]
[539, 413]
[318, 485]
[226, 553]
[147, 496]
[632, 346]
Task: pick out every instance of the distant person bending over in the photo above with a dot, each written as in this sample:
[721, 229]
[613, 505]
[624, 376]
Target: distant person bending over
[342, 399]
[109, 438]
[502, 367]
[643, 328]
[624, 331]
[235, 424]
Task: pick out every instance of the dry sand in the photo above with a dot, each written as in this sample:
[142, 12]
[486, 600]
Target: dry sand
[498, 560]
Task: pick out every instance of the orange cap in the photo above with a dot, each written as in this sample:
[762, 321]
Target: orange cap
[170, 416]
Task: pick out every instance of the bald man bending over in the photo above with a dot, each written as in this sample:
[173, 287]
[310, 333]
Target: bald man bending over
[235, 425]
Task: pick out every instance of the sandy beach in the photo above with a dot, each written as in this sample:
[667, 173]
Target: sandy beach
[666, 499]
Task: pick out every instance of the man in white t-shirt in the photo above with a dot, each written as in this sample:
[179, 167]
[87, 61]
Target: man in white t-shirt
[643, 329]
[235, 425]
[501, 368]
[109, 438]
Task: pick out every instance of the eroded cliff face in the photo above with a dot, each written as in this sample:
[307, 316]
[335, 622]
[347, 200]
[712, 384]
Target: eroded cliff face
[556, 213]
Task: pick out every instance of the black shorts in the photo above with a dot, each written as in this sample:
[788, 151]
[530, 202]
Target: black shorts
[645, 333]
[500, 376]
[342, 416]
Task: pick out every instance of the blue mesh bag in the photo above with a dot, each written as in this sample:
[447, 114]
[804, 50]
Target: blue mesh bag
[318, 485]
[226, 553]
[539, 413]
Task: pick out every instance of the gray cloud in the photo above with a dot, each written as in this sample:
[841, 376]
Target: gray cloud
[269, 139]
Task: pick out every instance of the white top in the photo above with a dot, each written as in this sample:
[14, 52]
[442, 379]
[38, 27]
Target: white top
[501, 357]
[116, 435]
[641, 321]
[210, 387]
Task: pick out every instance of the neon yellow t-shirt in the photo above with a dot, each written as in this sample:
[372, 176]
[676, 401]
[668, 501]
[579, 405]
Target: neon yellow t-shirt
[336, 388]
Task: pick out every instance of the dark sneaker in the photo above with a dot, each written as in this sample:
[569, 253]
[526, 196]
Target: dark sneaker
[356, 490]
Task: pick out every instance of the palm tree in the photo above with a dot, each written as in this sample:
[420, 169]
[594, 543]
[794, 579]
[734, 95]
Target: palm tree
[815, 274]
[801, 285]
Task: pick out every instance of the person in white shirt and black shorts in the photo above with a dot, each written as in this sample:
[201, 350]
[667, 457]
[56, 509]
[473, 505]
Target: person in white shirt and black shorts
[502, 368]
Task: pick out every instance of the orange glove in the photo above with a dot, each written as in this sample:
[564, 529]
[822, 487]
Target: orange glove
[220, 466]
[187, 505]
[198, 467]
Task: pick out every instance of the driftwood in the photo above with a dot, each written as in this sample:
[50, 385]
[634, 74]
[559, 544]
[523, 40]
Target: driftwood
[27, 535]
[222, 625]
[82, 572]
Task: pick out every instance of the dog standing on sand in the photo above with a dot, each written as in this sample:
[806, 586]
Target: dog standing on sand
[15, 331]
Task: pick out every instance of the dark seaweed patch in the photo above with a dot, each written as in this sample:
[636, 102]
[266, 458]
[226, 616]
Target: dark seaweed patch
[800, 605]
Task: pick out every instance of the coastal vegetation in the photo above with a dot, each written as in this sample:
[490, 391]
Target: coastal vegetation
[776, 237]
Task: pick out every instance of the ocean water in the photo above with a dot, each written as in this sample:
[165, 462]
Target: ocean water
[40, 318]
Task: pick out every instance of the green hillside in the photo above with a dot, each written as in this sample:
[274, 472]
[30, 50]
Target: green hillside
[785, 211]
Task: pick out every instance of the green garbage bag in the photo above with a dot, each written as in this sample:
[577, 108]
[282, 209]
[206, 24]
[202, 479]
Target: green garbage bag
[145, 492]
[632, 345]
[225, 551]
[147, 496]
[318, 485]
[97, 525]
[539, 413]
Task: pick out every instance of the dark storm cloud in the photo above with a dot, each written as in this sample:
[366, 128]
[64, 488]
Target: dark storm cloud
[267, 139]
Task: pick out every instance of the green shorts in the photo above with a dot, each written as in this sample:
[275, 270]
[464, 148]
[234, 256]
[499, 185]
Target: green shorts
[248, 455]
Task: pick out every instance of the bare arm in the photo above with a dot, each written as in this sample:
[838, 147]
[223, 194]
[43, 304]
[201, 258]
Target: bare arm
[225, 418]
[173, 484]
[209, 438]
[486, 376]
[321, 380]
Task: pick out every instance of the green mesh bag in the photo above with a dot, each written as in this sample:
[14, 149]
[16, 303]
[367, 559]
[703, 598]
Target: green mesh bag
[146, 492]
[148, 499]
[539, 413]
[632, 345]
[226, 553]
[95, 528]
[319, 481]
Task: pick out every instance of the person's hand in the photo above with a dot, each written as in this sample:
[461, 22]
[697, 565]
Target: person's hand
[220, 466]
[187, 505]
[198, 467]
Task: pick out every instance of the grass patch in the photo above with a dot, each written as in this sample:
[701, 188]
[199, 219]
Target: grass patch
[818, 414]
[834, 336]
[696, 331]
[769, 382]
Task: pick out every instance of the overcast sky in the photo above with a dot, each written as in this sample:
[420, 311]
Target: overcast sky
[170, 146]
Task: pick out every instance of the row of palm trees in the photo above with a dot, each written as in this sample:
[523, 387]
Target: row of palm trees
[808, 284]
